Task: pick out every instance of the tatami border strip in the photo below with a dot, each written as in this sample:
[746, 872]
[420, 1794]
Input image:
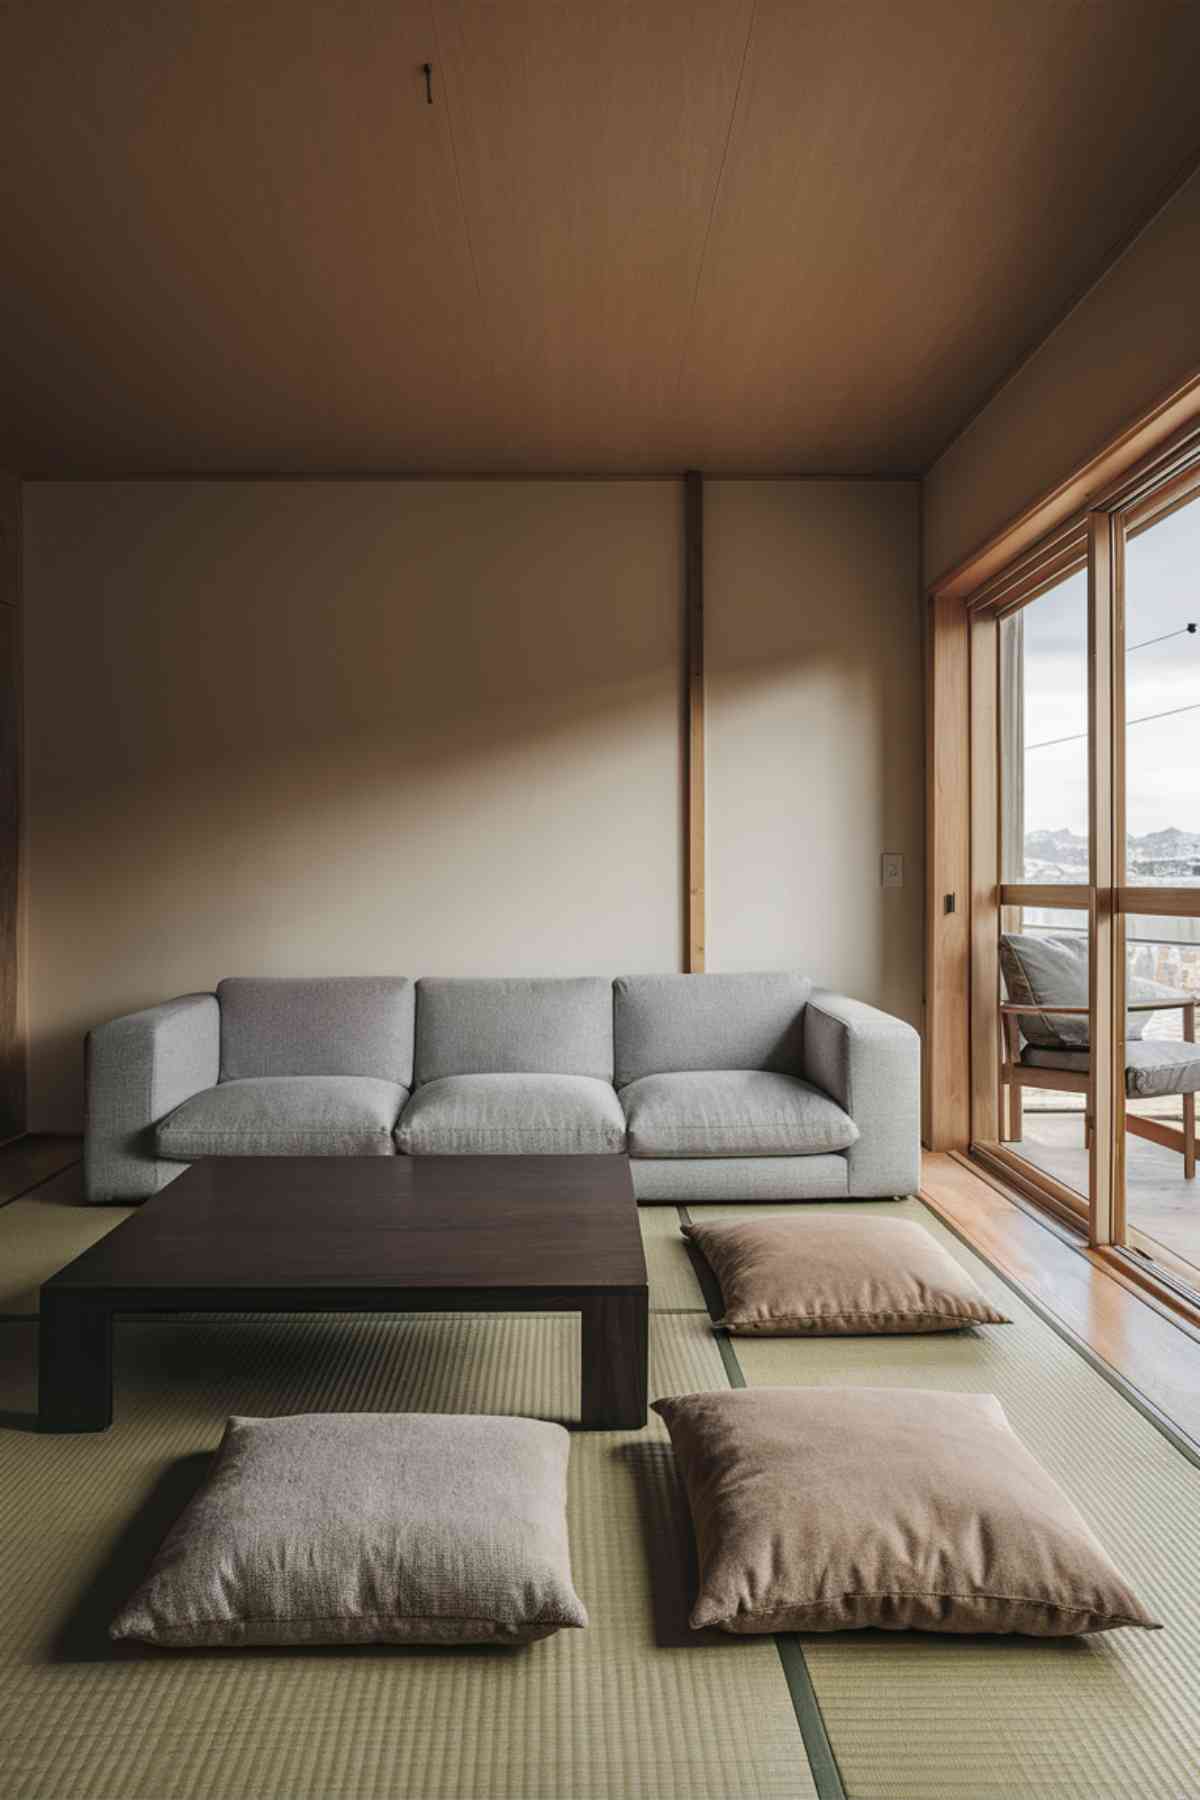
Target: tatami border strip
[827, 1777]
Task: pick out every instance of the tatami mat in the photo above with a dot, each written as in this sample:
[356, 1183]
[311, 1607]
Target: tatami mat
[39, 1234]
[673, 1284]
[1111, 1717]
[635, 1705]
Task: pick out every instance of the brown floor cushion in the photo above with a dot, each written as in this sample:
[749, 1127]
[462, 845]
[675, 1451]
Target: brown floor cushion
[832, 1274]
[827, 1509]
[355, 1528]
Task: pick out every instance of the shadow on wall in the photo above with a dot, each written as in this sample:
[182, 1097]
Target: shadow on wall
[454, 849]
[434, 727]
[421, 727]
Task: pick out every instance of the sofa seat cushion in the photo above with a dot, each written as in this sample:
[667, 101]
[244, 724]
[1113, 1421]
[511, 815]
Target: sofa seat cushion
[512, 1115]
[733, 1112]
[1154, 1069]
[285, 1115]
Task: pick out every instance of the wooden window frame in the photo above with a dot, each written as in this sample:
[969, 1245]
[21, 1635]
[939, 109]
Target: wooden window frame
[965, 801]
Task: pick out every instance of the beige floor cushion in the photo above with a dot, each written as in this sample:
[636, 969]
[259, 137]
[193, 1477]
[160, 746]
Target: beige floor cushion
[827, 1509]
[355, 1528]
[835, 1274]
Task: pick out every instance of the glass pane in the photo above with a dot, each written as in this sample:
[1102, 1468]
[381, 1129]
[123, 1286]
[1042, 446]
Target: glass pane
[1162, 702]
[1045, 1061]
[1044, 737]
[1162, 1202]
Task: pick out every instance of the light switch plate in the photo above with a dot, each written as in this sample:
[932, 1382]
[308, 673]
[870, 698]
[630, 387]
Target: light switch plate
[893, 869]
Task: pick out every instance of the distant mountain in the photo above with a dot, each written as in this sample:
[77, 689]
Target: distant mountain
[1157, 857]
[1055, 846]
[1169, 843]
[1064, 845]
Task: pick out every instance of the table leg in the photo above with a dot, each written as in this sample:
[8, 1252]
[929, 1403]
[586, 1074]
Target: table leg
[74, 1364]
[615, 1352]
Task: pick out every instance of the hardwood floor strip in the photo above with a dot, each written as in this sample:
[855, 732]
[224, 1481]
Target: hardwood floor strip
[29, 1161]
[1154, 1353]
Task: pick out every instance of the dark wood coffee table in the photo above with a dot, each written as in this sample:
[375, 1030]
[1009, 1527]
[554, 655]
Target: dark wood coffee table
[364, 1234]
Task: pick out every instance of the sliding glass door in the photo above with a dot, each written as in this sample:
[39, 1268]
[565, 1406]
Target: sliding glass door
[1085, 849]
[1157, 1193]
[1044, 918]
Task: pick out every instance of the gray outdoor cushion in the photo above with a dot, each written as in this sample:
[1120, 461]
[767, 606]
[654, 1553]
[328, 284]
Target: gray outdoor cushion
[285, 1115]
[520, 1026]
[664, 1024]
[1047, 969]
[733, 1112]
[336, 1025]
[368, 1528]
[1154, 1069]
[1050, 968]
[512, 1115]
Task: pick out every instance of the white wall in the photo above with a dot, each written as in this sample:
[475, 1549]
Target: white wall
[815, 749]
[1127, 344]
[434, 727]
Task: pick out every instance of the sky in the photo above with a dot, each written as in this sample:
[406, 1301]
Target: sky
[1162, 594]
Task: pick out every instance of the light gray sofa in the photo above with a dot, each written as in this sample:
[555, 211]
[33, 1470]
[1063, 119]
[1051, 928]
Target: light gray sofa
[719, 1087]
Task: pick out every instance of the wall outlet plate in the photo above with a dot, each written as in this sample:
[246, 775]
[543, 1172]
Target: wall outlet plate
[893, 869]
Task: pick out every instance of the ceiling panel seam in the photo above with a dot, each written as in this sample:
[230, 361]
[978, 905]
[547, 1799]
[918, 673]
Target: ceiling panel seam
[712, 211]
[446, 88]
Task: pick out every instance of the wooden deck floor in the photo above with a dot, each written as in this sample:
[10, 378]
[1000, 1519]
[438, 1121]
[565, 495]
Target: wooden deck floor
[1160, 1204]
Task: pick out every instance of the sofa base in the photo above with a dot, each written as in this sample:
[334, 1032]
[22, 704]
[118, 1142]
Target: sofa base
[699, 1179]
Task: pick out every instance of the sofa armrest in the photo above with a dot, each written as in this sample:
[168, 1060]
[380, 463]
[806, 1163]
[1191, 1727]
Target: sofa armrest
[138, 1069]
[870, 1063]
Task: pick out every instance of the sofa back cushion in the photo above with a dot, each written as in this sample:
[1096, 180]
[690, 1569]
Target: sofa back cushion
[333, 1025]
[521, 1025]
[666, 1024]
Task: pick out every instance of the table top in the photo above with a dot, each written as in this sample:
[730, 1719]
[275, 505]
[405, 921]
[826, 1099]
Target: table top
[562, 1224]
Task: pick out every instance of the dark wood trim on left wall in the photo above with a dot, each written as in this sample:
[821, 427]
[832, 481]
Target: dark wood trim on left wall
[13, 1119]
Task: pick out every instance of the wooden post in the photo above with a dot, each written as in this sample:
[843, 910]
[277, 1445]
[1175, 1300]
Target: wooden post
[947, 1091]
[12, 1023]
[1106, 964]
[697, 905]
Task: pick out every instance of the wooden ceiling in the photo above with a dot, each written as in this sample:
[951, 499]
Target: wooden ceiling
[629, 235]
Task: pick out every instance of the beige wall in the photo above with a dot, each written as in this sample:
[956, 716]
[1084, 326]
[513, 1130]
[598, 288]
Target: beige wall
[435, 727]
[285, 727]
[815, 707]
[1133, 338]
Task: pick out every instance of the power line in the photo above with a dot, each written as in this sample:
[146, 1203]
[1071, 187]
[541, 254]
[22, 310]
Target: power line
[1184, 631]
[1171, 713]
